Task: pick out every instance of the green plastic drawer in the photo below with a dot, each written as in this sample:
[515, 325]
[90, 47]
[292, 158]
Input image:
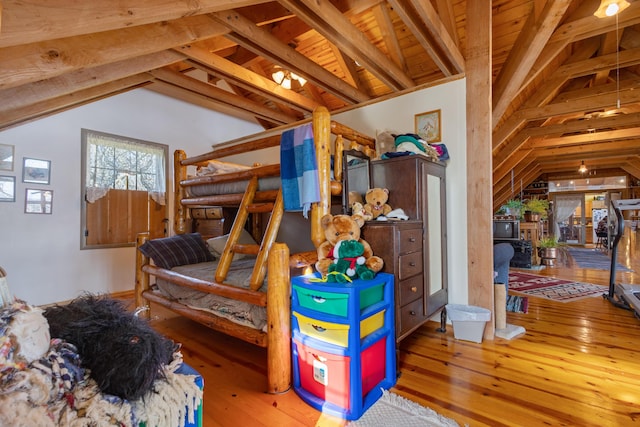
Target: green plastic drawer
[336, 303]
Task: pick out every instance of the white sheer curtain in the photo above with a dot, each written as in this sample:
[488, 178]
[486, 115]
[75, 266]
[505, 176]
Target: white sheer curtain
[564, 208]
[97, 188]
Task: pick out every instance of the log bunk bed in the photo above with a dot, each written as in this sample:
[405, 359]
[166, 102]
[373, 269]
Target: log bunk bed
[271, 258]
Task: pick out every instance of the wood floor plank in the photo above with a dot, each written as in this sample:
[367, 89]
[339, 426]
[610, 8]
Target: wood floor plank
[577, 365]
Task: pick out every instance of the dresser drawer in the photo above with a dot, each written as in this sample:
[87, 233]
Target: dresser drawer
[409, 265]
[410, 240]
[410, 316]
[410, 289]
[206, 213]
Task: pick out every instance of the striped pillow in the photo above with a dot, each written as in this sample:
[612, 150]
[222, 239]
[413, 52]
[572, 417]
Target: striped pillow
[181, 249]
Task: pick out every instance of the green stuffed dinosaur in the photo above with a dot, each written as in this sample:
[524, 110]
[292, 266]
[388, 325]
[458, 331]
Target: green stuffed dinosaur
[349, 263]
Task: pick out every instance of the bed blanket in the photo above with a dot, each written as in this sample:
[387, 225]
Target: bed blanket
[239, 275]
[299, 169]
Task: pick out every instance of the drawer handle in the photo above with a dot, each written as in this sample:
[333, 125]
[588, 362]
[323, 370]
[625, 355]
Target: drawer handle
[412, 239]
[318, 300]
[414, 289]
[412, 264]
[318, 328]
[413, 313]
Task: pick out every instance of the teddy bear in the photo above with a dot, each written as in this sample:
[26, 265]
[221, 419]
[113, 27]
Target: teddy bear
[339, 228]
[357, 208]
[348, 262]
[376, 199]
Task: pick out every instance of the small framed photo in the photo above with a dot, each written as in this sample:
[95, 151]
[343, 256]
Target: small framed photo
[428, 126]
[38, 201]
[36, 171]
[6, 157]
[7, 188]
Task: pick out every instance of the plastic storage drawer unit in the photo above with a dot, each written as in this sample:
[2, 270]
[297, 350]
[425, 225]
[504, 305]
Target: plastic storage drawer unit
[336, 303]
[336, 333]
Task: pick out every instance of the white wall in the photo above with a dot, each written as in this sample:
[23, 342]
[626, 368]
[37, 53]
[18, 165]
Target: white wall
[398, 115]
[41, 253]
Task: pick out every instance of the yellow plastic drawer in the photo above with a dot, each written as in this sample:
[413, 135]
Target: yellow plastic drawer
[337, 333]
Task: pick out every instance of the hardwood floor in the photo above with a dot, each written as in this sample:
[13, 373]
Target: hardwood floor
[577, 365]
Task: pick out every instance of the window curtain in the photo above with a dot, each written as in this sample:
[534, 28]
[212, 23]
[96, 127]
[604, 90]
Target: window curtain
[564, 206]
[96, 190]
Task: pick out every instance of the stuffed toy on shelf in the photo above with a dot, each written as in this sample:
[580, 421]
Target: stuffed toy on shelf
[377, 205]
[341, 228]
[349, 262]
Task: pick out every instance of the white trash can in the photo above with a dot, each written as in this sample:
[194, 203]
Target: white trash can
[468, 321]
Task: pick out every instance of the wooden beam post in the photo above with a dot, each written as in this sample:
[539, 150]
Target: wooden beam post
[479, 153]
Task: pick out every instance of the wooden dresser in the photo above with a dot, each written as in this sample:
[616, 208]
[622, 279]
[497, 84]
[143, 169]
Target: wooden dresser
[414, 251]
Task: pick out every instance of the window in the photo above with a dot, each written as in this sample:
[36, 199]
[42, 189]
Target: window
[124, 185]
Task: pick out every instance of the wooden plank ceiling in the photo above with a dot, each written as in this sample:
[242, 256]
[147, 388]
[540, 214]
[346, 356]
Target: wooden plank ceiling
[564, 81]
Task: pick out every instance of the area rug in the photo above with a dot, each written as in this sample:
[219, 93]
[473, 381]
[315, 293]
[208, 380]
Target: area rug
[517, 304]
[593, 258]
[394, 410]
[552, 288]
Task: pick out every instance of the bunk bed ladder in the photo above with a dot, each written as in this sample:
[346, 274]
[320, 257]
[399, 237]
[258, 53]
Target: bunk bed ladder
[246, 207]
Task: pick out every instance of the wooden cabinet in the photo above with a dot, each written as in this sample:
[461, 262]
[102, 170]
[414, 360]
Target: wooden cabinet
[211, 221]
[414, 251]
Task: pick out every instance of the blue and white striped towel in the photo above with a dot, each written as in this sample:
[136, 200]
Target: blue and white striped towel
[299, 169]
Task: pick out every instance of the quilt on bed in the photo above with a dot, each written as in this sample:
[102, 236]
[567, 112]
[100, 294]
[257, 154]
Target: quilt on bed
[239, 275]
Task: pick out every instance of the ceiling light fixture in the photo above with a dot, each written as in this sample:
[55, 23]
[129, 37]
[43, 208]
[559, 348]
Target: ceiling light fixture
[582, 168]
[284, 78]
[610, 8]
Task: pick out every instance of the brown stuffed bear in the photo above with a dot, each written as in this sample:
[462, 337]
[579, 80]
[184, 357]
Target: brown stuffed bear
[377, 202]
[343, 227]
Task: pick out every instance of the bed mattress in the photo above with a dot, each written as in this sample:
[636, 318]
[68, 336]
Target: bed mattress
[239, 275]
[235, 187]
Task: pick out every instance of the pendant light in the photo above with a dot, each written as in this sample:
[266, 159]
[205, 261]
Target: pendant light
[582, 168]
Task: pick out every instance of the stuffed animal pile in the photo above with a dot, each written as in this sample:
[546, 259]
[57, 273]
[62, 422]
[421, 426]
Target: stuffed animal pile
[353, 257]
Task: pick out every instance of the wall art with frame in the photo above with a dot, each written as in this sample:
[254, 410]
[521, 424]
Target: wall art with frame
[37, 201]
[35, 171]
[7, 153]
[7, 188]
[428, 126]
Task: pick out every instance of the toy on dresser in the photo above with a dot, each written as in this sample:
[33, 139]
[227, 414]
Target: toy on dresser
[377, 205]
[340, 228]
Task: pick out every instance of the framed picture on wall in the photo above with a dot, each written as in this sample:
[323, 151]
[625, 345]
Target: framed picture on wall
[36, 171]
[6, 157]
[38, 201]
[428, 126]
[7, 188]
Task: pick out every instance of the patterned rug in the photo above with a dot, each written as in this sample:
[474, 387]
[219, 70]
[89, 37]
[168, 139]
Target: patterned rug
[594, 259]
[517, 304]
[394, 410]
[551, 288]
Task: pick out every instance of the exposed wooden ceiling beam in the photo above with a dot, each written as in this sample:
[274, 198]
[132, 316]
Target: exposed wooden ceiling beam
[43, 60]
[525, 51]
[439, 37]
[176, 92]
[383, 19]
[40, 91]
[261, 42]
[581, 28]
[335, 27]
[221, 95]
[38, 20]
[586, 138]
[588, 103]
[70, 100]
[542, 96]
[248, 79]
